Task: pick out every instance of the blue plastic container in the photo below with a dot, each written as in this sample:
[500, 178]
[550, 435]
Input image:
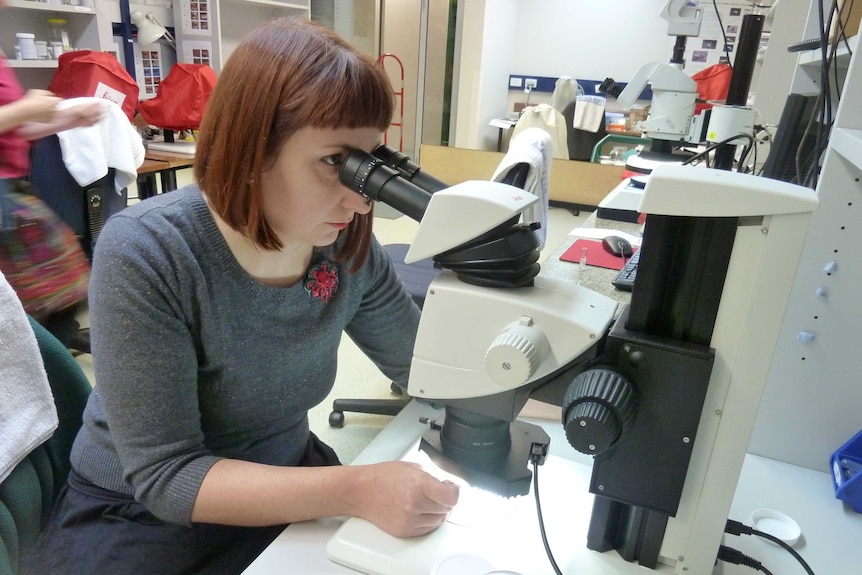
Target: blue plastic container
[847, 472]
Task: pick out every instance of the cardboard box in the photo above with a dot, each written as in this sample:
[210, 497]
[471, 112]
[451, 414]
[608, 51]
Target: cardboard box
[851, 14]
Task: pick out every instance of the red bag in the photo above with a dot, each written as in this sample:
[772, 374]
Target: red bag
[40, 255]
[85, 73]
[181, 98]
[712, 84]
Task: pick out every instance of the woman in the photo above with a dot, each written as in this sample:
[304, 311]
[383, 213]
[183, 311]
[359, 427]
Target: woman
[216, 313]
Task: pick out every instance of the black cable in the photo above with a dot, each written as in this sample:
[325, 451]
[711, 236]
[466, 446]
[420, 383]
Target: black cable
[829, 74]
[736, 528]
[736, 557]
[723, 34]
[541, 520]
[705, 153]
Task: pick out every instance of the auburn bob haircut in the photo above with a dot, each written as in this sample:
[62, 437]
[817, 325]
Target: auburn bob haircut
[287, 75]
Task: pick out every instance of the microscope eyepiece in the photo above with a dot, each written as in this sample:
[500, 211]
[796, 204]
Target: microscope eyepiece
[371, 178]
[408, 169]
[356, 171]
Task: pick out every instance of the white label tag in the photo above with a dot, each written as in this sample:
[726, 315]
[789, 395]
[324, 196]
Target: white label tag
[107, 93]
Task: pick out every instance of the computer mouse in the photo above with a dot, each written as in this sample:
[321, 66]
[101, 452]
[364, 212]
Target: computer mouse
[617, 246]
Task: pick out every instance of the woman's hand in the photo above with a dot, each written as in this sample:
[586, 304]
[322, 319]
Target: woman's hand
[82, 115]
[37, 106]
[402, 499]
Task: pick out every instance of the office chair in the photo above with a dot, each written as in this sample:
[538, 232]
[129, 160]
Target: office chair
[416, 278]
[580, 143]
[83, 208]
[28, 494]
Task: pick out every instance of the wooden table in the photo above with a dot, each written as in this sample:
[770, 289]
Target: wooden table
[165, 165]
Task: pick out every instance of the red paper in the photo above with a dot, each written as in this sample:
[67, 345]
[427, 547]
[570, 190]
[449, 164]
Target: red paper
[596, 255]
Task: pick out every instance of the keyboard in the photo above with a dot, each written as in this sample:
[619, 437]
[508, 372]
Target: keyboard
[625, 279]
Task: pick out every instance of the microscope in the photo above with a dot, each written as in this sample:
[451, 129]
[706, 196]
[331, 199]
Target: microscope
[662, 392]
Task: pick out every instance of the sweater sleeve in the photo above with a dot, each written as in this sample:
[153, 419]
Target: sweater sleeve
[385, 325]
[146, 367]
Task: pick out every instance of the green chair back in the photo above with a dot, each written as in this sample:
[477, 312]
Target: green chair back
[28, 494]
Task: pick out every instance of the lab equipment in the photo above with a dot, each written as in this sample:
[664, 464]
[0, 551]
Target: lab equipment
[662, 393]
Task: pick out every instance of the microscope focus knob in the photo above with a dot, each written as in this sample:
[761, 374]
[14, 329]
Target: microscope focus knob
[516, 353]
[600, 404]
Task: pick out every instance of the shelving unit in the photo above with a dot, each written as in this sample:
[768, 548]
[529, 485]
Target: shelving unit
[811, 403]
[212, 39]
[82, 24]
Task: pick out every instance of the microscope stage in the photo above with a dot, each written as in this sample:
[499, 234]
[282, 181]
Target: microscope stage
[487, 532]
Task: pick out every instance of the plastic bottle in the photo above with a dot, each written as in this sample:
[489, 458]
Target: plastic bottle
[26, 46]
[55, 50]
[42, 50]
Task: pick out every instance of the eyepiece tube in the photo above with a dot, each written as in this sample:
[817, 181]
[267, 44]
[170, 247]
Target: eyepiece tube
[409, 170]
[371, 178]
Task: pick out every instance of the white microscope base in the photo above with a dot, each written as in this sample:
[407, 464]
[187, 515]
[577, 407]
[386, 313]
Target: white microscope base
[491, 533]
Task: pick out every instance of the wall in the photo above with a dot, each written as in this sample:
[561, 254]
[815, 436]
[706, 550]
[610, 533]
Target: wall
[588, 39]
[579, 38]
[486, 31]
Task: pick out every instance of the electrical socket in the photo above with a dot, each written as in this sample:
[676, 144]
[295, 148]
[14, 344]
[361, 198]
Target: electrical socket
[530, 82]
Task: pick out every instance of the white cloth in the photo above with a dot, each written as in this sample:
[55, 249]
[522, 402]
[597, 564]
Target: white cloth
[565, 90]
[112, 142]
[532, 146]
[589, 113]
[544, 116]
[28, 415]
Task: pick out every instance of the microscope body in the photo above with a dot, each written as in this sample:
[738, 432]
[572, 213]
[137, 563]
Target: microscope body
[662, 392]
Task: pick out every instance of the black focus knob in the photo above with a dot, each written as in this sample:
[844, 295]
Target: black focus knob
[599, 406]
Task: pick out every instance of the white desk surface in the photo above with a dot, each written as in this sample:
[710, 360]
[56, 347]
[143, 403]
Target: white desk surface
[831, 532]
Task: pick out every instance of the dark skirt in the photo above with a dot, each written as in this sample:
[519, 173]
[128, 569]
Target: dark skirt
[93, 530]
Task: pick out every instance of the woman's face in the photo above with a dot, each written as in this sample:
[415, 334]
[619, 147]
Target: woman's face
[303, 200]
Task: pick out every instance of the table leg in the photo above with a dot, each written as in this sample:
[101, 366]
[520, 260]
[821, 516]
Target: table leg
[146, 186]
[169, 180]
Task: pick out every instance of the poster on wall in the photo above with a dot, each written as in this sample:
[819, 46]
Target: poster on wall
[719, 33]
[196, 17]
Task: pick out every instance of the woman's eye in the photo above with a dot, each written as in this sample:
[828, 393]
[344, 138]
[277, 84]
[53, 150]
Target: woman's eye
[333, 160]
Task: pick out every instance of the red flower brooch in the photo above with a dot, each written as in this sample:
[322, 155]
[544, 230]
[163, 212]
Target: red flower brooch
[322, 281]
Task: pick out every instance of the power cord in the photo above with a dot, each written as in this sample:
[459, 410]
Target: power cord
[723, 34]
[537, 456]
[705, 153]
[736, 557]
[736, 528]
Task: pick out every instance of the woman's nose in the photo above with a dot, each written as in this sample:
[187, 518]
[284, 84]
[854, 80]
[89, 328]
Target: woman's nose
[356, 202]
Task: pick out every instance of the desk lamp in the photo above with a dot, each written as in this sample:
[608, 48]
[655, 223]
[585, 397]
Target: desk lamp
[150, 29]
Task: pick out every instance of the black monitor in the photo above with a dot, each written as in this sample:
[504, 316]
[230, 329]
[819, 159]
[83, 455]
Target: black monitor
[794, 155]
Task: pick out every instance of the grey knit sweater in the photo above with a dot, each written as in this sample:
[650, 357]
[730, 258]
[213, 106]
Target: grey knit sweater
[196, 361]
